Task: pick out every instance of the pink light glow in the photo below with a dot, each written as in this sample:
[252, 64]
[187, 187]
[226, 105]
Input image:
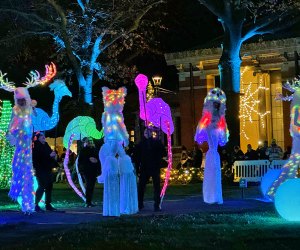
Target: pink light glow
[67, 171]
[50, 73]
[159, 113]
[222, 123]
[170, 163]
[141, 81]
[205, 120]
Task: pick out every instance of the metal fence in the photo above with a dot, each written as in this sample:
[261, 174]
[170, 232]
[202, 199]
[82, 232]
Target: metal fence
[253, 171]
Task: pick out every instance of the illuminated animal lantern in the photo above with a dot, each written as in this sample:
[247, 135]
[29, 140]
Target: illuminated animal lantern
[20, 134]
[157, 113]
[112, 117]
[212, 128]
[41, 120]
[213, 117]
[289, 170]
[120, 191]
[77, 129]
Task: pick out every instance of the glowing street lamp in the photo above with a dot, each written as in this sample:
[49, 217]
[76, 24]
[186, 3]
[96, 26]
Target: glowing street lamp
[157, 82]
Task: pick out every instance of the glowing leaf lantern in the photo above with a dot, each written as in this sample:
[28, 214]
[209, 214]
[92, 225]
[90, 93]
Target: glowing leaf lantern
[77, 129]
[81, 126]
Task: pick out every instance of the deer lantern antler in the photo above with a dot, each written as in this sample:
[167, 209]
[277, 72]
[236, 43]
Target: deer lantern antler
[35, 79]
[5, 84]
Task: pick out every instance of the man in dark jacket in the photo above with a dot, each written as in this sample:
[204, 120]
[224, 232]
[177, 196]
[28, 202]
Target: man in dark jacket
[197, 156]
[43, 159]
[237, 154]
[149, 153]
[89, 167]
[251, 154]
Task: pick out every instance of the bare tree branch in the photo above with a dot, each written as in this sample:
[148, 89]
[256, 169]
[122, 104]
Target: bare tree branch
[214, 7]
[32, 18]
[27, 33]
[264, 26]
[135, 24]
[64, 35]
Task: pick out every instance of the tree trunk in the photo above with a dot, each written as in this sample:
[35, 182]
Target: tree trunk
[87, 88]
[229, 68]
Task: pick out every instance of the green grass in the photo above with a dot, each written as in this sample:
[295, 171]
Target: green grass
[192, 231]
[64, 196]
[256, 230]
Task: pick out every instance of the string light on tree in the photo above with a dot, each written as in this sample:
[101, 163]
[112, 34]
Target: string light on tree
[150, 91]
[249, 104]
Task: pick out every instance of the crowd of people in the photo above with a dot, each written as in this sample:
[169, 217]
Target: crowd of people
[264, 151]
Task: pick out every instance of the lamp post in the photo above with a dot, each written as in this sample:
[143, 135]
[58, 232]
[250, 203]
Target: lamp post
[157, 82]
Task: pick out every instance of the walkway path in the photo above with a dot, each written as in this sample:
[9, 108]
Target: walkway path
[178, 205]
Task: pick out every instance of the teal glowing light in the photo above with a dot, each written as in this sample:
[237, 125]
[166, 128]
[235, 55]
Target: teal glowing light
[287, 200]
[80, 127]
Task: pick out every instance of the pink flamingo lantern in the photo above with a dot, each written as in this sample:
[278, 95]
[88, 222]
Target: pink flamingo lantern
[157, 112]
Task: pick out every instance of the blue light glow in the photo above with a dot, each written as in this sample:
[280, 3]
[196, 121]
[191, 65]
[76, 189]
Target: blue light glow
[268, 179]
[287, 200]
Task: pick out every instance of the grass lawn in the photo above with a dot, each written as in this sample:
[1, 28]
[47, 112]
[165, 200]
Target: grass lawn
[251, 230]
[64, 196]
[190, 231]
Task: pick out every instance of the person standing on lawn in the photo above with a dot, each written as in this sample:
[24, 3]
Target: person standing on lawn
[89, 167]
[43, 159]
[149, 154]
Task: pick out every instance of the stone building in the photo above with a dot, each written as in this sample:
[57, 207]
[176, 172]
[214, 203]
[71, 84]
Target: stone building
[265, 66]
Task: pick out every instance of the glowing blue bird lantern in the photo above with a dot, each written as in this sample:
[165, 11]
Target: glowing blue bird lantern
[287, 200]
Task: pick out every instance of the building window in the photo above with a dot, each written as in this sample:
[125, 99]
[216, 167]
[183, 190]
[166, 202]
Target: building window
[131, 134]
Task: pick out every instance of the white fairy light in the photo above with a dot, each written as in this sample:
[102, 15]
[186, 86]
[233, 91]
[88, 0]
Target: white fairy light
[249, 104]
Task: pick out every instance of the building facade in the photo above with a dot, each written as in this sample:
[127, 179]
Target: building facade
[265, 66]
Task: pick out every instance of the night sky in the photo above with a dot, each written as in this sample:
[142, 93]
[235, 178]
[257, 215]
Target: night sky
[189, 25]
